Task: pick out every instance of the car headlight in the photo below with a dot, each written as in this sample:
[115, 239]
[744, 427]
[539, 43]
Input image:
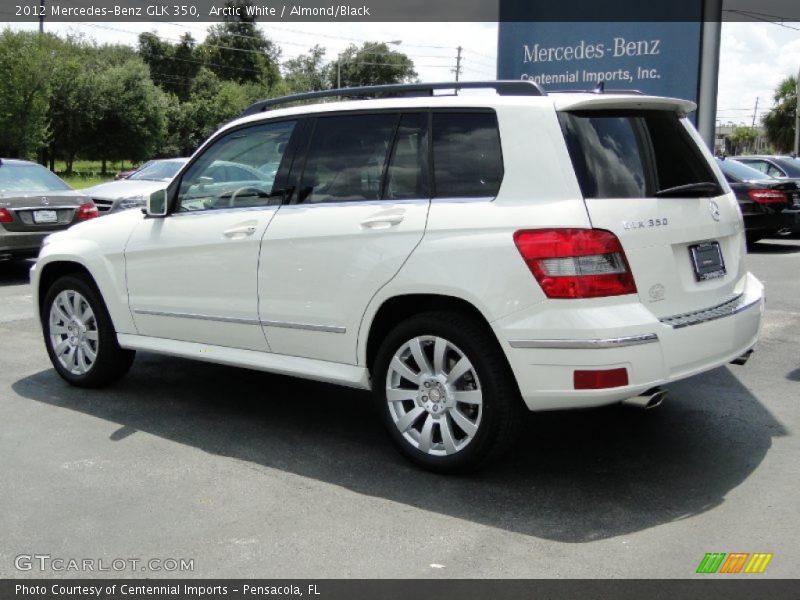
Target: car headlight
[132, 202]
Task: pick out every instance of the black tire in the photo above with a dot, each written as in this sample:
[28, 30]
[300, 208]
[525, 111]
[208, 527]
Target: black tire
[111, 362]
[503, 411]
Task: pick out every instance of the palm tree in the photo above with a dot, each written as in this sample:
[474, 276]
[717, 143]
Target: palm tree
[779, 121]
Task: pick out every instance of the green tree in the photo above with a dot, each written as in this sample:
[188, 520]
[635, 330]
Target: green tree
[743, 139]
[130, 118]
[72, 102]
[779, 122]
[27, 65]
[173, 67]
[307, 72]
[237, 50]
[212, 102]
[370, 64]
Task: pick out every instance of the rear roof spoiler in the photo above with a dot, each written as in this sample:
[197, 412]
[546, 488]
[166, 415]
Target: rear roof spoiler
[610, 101]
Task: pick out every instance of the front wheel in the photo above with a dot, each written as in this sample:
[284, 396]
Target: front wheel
[80, 336]
[446, 393]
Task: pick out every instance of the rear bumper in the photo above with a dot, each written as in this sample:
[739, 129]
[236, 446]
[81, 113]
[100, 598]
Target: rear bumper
[21, 244]
[791, 219]
[653, 351]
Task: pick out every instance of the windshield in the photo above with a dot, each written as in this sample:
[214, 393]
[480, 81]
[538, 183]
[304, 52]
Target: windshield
[29, 178]
[163, 170]
[736, 171]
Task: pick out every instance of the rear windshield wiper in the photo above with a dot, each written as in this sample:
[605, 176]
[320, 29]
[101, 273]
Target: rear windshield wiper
[703, 186]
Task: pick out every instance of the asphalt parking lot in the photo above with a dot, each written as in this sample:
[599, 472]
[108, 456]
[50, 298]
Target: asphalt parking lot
[254, 475]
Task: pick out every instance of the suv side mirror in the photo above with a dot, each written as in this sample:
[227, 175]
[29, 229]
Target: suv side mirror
[157, 204]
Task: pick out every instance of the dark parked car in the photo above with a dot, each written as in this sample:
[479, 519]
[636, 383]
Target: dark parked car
[773, 166]
[768, 205]
[34, 203]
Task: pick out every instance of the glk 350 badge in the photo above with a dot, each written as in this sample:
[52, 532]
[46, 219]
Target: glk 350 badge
[646, 224]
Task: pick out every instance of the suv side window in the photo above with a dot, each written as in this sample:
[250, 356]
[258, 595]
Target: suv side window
[236, 171]
[407, 174]
[347, 157]
[467, 157]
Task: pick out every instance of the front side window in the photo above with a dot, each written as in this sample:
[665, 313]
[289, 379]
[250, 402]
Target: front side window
[467, 158]
[635, 154]
[347, 157]
[758, 165]
[238, 170]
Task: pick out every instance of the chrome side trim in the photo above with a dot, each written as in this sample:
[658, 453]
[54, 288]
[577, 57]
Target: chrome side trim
[158, 313]
[307, 327]
[238, 321]
[621, 342]
[726, 309]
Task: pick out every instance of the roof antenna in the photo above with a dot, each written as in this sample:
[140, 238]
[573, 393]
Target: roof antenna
[600, 88]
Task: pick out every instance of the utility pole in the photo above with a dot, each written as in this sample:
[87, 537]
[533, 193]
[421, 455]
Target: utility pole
[755, 112]
[41, 16]
[457, 70]
[797, 118]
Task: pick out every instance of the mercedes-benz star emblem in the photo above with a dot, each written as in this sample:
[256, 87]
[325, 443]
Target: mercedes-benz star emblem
[714, 208]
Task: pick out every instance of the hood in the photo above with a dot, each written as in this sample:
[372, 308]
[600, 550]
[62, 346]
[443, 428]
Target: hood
[124, 188]
[117, 225]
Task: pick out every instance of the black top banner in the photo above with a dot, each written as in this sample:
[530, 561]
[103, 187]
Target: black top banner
[266, 11]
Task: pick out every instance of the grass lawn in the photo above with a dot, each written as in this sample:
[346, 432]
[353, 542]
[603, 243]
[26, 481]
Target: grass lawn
[86, 173]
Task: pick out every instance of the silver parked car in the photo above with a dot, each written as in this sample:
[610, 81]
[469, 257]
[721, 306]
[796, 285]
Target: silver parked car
[34, 202]
[131, 192]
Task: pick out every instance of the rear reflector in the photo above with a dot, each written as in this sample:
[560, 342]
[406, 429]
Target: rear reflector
[5, 216]
[598, 380]
[768, 197]
[87, 210]
[576, 263]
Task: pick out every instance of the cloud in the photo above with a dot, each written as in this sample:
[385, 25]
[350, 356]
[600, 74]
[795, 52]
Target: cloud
[754, 58]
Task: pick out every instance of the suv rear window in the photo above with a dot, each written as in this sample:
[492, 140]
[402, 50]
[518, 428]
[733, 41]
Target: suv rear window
[467, 159]
[633, 154]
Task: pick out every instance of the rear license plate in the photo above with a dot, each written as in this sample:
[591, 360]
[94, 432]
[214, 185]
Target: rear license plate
[45, 216]
[707, 260]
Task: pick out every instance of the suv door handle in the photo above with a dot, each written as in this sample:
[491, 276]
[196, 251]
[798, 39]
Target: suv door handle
[240, 231]
[383, 221]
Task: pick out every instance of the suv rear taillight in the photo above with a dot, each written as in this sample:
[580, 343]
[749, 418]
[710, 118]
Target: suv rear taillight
[5, 216]
[576, 263]
[768, 197]
[87, 210]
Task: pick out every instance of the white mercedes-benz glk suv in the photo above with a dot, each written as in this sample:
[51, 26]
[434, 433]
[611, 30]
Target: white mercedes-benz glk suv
[464, 255]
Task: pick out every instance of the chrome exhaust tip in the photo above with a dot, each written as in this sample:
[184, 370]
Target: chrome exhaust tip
[742, 360]
[650, 399]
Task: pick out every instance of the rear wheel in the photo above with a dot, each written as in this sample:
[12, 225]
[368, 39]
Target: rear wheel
[79, 335]
[446, 393]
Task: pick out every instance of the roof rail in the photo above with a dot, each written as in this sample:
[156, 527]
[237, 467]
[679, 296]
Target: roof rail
[503, 88]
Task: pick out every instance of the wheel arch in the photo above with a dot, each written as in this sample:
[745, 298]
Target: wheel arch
[49, 270]
[397, 308]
